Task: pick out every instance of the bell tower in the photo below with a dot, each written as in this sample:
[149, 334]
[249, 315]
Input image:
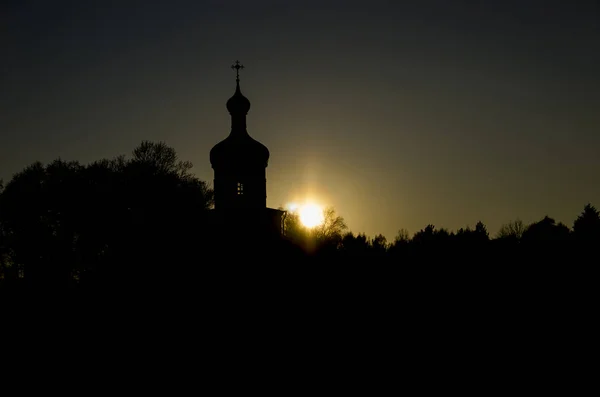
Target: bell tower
[239, 161]
[240, 184]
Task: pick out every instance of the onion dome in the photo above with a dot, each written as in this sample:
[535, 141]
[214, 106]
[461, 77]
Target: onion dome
[238, 104]
[239, 148]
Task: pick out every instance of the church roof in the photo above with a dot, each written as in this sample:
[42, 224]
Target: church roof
[239, 148]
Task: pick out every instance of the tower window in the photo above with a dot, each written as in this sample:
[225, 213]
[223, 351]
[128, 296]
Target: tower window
[240, 188]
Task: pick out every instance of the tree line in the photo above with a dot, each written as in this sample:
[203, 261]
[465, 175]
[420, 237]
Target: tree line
[334, 233]
[147, 217]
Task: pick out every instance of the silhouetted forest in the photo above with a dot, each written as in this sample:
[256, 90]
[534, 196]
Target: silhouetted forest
[145, 220]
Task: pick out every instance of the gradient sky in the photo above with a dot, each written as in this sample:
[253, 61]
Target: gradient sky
[397, 113]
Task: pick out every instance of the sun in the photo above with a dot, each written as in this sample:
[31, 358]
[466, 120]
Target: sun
[311, 215]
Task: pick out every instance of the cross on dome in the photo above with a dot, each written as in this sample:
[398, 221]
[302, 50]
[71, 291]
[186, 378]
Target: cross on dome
[237, 66]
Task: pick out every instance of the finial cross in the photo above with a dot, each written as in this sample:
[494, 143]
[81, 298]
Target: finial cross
[237, 66]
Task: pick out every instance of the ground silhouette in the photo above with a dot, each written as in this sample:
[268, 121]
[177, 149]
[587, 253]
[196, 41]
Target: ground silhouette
[145, 221]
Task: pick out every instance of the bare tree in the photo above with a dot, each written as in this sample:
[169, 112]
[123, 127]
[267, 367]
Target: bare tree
[402, 237]
[379, 244]
[333, 226]
[164, 158]
[513, 229]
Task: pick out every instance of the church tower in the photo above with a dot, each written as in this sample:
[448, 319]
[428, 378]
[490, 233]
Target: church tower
[239, 163]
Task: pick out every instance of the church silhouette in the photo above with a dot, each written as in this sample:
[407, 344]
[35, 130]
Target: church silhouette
[240, 185]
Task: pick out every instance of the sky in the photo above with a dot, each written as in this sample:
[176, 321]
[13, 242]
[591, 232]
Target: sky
[398, 114]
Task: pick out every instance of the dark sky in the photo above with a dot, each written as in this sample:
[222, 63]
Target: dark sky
[397, 113]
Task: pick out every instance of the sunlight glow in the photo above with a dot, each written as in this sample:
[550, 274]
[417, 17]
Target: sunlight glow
[310, 214]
